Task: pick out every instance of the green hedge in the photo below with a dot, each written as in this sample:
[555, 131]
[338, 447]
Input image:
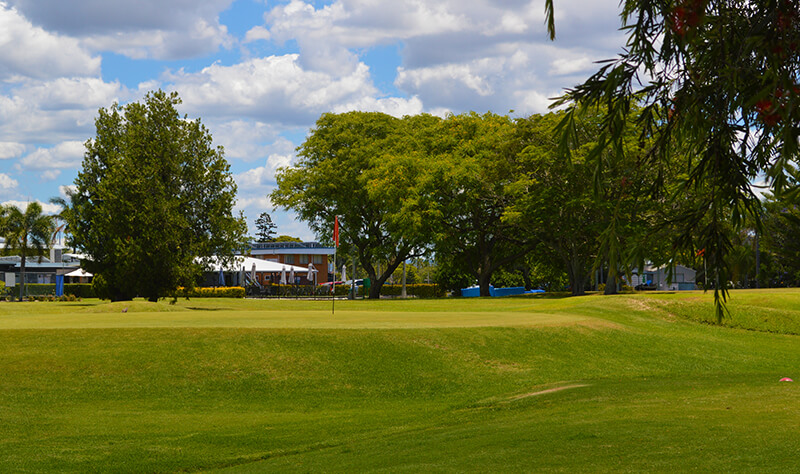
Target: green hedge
[81, 290]
[212, 292]
[422, 290]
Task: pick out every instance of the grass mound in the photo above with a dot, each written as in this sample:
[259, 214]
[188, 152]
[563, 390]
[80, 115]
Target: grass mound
[775, 310]
[586, 384]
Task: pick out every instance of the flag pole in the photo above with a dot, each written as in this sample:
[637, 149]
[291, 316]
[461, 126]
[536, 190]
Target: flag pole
[335, 248]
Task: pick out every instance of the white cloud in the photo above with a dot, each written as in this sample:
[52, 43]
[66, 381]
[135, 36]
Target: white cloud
[7, 183]
[28, 51]
[562, 66]
[364, 23]
[10, 150]
[449, 77]
[198, 39]
[275, 89]
[162, 29]
[47, 208]
[390, 105]
[64, 191]
[455, 55]
[257, 33]
[246, 140]
[64, 155]
[49, 175]
[56, 110]
[259, 179]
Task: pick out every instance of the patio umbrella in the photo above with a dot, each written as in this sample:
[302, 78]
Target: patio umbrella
[283, 276]
[221, 278]
[253, 274]
[291, 275]
[344, 273]
[312, 273]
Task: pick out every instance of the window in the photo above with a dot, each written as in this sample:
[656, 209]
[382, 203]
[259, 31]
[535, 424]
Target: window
[288, 259]
[317, 259]
[302, 259]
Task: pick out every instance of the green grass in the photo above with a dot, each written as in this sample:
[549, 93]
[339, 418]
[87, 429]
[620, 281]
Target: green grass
[414, 385]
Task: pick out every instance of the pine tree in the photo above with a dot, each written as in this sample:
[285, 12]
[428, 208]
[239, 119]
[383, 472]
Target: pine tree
[266, 228]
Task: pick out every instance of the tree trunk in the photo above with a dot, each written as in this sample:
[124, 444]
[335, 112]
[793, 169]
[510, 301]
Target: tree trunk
[577, 277]
[526, 276]
[611, 284]
[484, 279]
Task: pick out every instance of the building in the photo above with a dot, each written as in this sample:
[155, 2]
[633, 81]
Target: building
[298, 254]
[655, 278]
[38, 269]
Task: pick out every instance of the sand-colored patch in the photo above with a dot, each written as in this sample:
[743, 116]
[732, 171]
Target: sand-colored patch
[543, 392]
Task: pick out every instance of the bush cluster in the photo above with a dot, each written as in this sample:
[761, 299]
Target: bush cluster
[79, 290]
[421, 290]
[62, 298]
[211, 292]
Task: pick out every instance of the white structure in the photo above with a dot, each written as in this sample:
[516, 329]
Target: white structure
[683, 278]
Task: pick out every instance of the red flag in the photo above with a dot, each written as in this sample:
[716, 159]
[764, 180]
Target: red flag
[336, 231]
[701, 252]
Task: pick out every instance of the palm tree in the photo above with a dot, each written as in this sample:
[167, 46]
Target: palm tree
[26, 233]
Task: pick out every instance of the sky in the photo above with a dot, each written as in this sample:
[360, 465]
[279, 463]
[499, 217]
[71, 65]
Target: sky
[259, 73]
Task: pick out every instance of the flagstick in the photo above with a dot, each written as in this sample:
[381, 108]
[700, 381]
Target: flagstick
[335, 249]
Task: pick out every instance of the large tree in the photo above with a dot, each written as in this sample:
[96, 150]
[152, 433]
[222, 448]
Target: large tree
[27, 234]
[153, 200]
[363, 167]
[473, 163]
[583, 214]
[719, 78]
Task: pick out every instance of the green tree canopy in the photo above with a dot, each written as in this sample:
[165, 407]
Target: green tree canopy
[718, 80]
[363, 167]
[287, 238]
[153, 200]
[473, 163]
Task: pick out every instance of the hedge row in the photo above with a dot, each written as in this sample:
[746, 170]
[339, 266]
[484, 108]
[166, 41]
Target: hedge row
[212, 292]
[422, 290]
[84, 290]
[80, 290]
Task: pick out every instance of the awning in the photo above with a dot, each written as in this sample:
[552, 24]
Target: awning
[79, 273]
[262, 266]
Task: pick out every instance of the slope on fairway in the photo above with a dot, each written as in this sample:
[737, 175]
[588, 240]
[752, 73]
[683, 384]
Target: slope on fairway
[292, 314]
[648, 390]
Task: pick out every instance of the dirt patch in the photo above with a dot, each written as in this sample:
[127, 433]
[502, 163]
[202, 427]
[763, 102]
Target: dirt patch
[654, 307]
[546, 391]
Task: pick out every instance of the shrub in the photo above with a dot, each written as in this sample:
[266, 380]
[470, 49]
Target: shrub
[211, 292]
[422, 290]
[79, 290]
[39, 289]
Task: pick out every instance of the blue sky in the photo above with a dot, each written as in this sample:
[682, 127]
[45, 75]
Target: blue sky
[259, 73]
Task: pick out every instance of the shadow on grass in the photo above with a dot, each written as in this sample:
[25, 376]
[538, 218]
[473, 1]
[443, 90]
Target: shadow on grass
[197, 308]
[556, 295]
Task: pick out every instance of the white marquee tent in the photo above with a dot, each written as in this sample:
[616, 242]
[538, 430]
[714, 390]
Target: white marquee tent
[262, 266]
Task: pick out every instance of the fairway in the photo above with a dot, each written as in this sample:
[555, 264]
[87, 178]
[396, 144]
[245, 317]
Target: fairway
[629, 382]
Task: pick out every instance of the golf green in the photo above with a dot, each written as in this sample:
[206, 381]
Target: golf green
[630, 382]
